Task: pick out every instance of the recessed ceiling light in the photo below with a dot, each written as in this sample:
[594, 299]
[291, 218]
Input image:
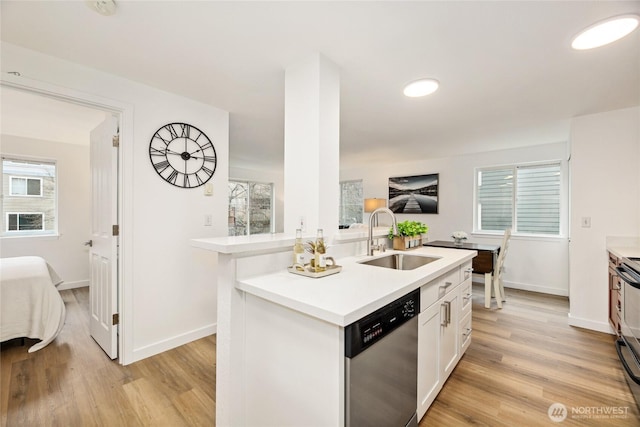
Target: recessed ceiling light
[421, 87]
[103, 7]
[605, 32]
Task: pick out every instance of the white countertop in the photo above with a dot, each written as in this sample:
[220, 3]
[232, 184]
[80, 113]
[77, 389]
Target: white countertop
[625, 251]
[357, 290]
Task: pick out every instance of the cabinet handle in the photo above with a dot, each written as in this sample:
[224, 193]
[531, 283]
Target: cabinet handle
[443, 318]
[467, 332]
[448, 312]
[467, 297]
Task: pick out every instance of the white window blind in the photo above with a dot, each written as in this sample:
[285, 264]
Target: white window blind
[525, 198]
[538, 199]
[495, 199]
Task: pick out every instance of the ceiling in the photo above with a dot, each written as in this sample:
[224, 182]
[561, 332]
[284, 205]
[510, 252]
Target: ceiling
[508, 77]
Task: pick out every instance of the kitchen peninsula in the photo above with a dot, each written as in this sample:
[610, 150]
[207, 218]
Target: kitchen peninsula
[280, 346]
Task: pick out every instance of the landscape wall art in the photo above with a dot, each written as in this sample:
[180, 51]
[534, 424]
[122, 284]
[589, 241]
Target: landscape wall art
[414, 194]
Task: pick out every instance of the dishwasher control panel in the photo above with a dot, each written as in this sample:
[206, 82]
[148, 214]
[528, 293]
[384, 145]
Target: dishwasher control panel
[365, 332]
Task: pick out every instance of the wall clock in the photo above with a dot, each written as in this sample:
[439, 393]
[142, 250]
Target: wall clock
[182, 155]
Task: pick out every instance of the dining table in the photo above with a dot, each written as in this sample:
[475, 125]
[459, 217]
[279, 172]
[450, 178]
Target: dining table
[483, 263]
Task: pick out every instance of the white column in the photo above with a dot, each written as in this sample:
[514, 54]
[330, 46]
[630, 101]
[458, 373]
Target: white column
[312, 146]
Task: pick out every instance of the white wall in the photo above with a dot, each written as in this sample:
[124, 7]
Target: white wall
[169, 289]
[537, 264]
[274, 177]
[605, 186]
[66, 252]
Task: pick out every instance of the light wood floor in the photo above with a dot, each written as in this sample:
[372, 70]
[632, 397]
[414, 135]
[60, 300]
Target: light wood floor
[522, 359]
[71, 382]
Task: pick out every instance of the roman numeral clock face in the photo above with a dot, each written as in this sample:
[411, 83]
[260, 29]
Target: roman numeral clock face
[182, 155]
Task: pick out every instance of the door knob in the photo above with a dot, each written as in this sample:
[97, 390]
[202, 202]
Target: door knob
[89, 243]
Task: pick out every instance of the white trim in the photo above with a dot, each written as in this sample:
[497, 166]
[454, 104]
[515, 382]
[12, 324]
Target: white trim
[590, 324]
[564, 206]
[170, 343]
[125, 111]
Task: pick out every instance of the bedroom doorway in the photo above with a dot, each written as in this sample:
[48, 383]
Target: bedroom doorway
[110, 292]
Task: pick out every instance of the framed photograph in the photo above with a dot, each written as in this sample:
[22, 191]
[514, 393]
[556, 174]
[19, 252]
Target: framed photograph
[414, 194]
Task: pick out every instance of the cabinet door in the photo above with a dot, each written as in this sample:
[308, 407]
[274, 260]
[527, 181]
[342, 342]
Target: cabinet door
[449, 347]
[428, 357]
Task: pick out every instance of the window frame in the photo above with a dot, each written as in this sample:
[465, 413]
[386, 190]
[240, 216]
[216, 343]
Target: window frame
[248, 206]
[563, 202]
[12, 178]
[6, 230]
[55, 212]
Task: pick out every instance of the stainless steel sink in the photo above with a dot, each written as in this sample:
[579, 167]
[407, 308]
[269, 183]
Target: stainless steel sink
[400, 261]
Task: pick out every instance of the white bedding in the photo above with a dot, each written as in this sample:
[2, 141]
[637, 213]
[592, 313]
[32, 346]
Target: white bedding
[30, 304]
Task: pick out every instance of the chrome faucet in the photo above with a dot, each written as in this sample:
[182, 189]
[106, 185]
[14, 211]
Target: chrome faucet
[370, 246]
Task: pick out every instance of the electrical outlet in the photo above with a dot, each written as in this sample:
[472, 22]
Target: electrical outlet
[208, 220]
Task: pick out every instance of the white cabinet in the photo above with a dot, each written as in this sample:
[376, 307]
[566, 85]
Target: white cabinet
[428, 357]
[444, 331]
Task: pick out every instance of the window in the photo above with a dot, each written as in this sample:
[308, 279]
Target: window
[250, 208]
[29, 205]
[525, 198]
[351, 203]
[25, 221]
[21, 186]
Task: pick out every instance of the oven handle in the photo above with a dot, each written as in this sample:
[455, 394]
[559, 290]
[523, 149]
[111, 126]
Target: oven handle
[622, 272]
[619, 344]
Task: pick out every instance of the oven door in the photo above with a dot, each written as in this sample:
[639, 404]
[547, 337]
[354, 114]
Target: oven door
[628, 347]
[630, 326]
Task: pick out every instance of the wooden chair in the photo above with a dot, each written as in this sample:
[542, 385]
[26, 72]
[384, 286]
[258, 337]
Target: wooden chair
[498, 284]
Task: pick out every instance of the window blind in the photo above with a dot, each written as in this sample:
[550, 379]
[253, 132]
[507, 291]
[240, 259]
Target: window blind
[538, 199]
[495, 199]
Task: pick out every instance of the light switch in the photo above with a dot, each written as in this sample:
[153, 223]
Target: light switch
[208, 189]
[586, 222]
[208, 220]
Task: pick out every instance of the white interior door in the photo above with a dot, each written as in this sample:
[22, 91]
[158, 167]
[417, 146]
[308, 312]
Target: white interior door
[103, 288]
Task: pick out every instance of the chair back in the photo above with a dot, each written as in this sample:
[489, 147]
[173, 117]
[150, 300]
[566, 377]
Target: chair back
[503, 251]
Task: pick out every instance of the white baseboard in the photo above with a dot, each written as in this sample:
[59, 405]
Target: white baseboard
[72, 285]
[528, 287]
[590, 324]
[177, 341]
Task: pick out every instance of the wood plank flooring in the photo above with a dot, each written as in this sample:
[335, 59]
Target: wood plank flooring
[522, 359]
[72, 382]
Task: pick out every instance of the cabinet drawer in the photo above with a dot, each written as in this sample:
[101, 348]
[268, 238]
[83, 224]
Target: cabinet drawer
[466, 297]
[466, 271]
[437, 288]
[465, 332]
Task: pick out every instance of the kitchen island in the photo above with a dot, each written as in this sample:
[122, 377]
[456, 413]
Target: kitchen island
[280, 355]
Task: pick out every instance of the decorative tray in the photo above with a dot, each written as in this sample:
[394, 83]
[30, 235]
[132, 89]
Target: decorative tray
[306, 270]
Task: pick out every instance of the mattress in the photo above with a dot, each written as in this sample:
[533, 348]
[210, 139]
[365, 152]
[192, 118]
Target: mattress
[30, 304]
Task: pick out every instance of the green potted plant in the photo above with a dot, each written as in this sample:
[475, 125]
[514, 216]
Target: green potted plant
[409, 234]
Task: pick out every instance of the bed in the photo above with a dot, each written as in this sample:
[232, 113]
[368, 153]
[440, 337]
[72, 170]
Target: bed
[30, 304]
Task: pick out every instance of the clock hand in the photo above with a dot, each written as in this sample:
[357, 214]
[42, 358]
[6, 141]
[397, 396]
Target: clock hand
[173, 152]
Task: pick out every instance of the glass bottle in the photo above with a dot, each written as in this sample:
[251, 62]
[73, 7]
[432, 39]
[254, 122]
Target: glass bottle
[320, 257]
[298, 249]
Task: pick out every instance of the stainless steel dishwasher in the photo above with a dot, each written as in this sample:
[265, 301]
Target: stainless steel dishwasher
[381, 371]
